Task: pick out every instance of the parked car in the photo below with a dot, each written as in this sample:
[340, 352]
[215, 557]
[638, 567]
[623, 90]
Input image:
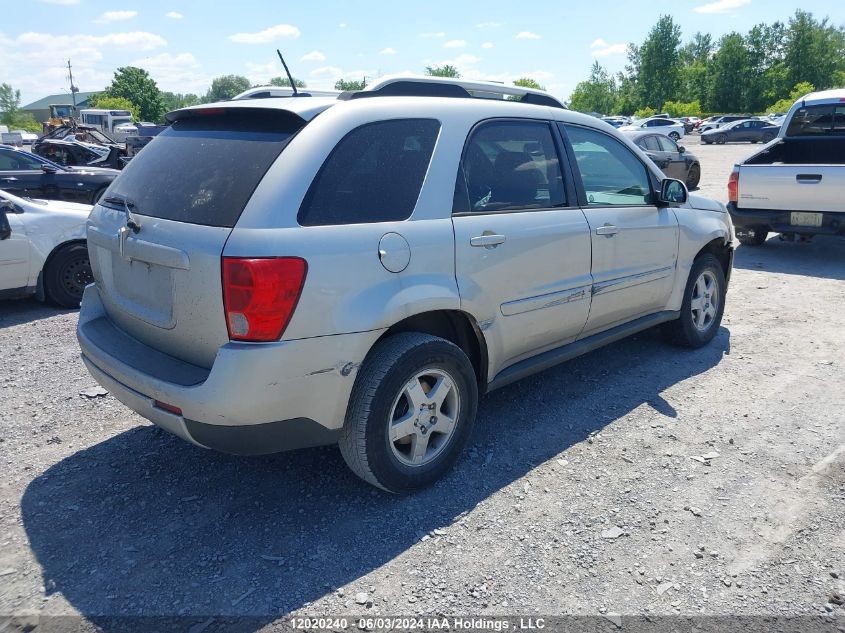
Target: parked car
[28, 175]
[716, 122]
[267, 92]
[71, 153]
[13, 139]
[794, 186]
[616, 121]
[144, 134]
[674, 160]
[294, 272]
[659, 125]
[42, 249]
[747, 131]
[28, 138]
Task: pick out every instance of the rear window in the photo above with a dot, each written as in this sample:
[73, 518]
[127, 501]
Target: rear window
[203, 170]
[374, 174]
[818, 120]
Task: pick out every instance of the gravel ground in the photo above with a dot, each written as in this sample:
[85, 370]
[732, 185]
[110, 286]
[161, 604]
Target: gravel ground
[640, 480]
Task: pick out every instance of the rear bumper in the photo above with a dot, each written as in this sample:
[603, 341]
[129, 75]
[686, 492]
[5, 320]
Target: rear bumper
[255, 399]
[780, 221]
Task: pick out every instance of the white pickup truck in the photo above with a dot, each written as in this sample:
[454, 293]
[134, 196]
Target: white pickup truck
[795, 185]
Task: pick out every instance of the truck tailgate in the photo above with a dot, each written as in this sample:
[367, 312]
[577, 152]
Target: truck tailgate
[792, 187]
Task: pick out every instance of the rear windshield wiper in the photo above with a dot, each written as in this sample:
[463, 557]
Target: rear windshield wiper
[127, 205]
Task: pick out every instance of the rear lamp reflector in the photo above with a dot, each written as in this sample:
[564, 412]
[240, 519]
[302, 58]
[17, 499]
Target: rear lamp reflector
[158, 404]
[260, 295]
[733, 187]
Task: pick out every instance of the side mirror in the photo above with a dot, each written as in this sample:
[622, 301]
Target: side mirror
[48, 169]
[673, 192]
[682, 149]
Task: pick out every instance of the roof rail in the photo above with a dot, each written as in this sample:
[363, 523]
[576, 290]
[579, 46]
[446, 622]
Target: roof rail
[425, 86]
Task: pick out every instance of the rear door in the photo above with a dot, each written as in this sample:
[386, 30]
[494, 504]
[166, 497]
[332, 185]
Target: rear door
[676, 164]
[20, 174]
[522, 245]
[634, 243]
[187, 189]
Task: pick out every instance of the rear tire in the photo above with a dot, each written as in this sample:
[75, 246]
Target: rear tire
[759, 238]
[675, 136]
[395, 436]
[66, 276]
[694, 176]
[703, 306]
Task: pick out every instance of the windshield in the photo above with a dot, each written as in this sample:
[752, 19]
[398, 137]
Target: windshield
[818, 120]
[203, 170]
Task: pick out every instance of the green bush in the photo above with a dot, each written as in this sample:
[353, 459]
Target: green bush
[798, 91]
[644, 113]
[680, 108]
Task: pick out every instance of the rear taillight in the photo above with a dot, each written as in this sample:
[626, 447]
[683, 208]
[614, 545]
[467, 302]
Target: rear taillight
[733, 186]
[260, 295]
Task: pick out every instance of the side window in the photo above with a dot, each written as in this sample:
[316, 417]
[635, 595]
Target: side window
[667, 144]
[512, 165]
[374, 174]
[650, 144]
[612, 175]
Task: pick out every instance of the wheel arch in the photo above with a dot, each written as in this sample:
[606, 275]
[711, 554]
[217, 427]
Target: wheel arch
[722, 250]
[455, 326]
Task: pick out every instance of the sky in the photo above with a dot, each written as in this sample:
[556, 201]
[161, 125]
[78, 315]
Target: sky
[184, 44]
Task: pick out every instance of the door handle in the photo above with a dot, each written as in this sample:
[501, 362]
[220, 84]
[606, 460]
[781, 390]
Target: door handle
[809, 179]
[10, 179]
[607, 230]
[487, 240]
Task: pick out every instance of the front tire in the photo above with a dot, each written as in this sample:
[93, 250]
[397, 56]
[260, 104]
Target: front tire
[410, 413]
[67, 274]
[703, 306]
[694, 176]
[675, 136]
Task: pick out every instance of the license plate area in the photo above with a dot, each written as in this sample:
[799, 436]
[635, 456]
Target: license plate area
[803, 218]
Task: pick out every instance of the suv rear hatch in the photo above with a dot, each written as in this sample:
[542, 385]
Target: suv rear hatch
[187, 189]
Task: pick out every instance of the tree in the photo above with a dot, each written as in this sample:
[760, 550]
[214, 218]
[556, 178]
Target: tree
[693, 75]
[766, 75]
[10, 112]
[814, 51]
[114, 103]
[284, 82]
[527, 82]
[659, 63]
[136, 85]
[729, 75]
[596, 94]
[226, 87]
[350, 84]
[442, 71]
[174, 101]
[797, 92]
[681, 109]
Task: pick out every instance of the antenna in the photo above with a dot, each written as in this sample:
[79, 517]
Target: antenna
[290, 77]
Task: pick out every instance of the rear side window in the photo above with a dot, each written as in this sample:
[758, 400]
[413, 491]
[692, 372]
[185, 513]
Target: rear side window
[374, 174]
[818, 120]
[203, 170]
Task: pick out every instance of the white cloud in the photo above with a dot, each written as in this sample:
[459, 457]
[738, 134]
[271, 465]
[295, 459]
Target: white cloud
[602, 48]
[437, 34]
[527, 35]
[62, 2]
[138, 40]
[267, 35]
[721, 6]
[387, 51]
[463, 62]
[174, 15]
[175, 73]
[313, 56]
[455, 44]
[487, 45]
[342, 25]
[488, 25]
[115, 16]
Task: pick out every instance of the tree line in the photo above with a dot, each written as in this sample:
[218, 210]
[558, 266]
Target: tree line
[759, 71]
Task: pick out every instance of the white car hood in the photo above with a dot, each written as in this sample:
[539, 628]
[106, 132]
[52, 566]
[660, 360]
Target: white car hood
[706, 204]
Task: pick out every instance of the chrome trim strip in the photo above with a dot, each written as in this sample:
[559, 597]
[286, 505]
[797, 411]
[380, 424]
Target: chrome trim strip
[551, 300]
[632, 280]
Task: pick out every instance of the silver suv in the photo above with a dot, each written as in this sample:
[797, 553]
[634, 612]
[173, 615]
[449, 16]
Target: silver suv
[289, 272]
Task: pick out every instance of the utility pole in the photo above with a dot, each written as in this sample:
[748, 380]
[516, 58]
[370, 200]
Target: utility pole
[73, 89]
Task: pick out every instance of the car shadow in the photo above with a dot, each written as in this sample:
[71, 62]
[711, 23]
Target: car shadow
[823, 256]
[144, 523]
[20, 311]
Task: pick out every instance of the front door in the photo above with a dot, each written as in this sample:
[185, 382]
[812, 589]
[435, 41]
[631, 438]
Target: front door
[522, 245]
[14, 254]
[634, 243]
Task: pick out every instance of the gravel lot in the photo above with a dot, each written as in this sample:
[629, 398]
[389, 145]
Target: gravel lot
[585, 490]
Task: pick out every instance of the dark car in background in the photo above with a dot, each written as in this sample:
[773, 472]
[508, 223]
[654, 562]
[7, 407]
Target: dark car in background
[29, 176]
[748, 131]
[673, 159]
[73, 153]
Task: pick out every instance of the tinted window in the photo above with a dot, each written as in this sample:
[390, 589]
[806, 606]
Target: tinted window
[818, 120]
[512, 165]
[11, 161]
[203, 170]
[667, 144]
[374, 174]
[610, 172]
[649, 143]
